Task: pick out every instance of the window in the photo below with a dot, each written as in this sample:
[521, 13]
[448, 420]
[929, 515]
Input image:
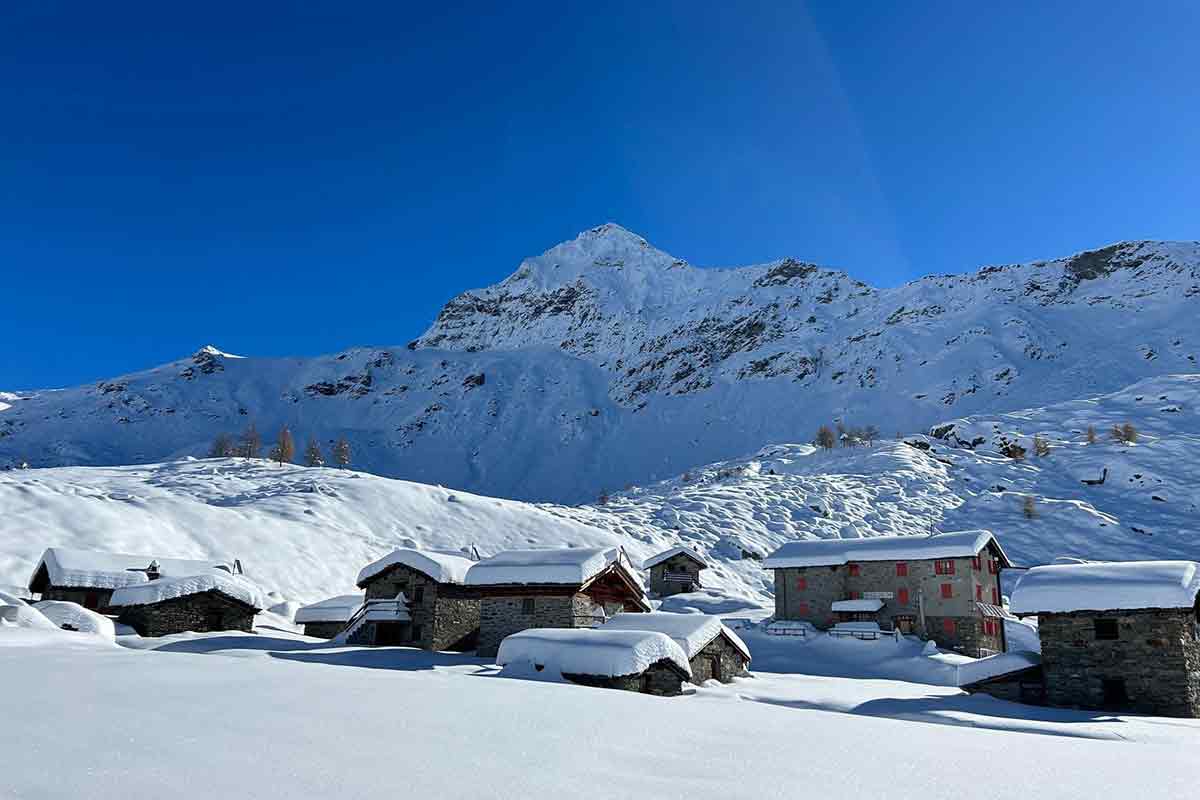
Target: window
[856, 595]
[527, 606]
[978, 592]
[994, 567]
[975, 563]
[419, 596]
[855, 570]
[901, 569]
[902, 596]
[801, 583]
[948, 626]
[92, 600]
[947, 590]
[991, 627]
[1115, 693]
[1106, 629]
[802, 609]
[943, 567]
[995, 596]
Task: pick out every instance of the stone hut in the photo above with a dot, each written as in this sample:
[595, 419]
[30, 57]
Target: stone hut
[551, 588]
[327, 618]
[1016, 677]
[712, 650]
[199, 603]
[675, 571]
[89, 577]
[944, 587]
[417, 598]
[634, 661]
[1118, 636]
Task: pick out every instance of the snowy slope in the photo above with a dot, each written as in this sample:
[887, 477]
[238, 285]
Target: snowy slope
[606, 362]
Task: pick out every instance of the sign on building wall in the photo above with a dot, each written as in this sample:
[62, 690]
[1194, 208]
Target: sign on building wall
[877, 595]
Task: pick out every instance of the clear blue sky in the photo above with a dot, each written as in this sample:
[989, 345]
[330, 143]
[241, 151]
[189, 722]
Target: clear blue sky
[279, 181]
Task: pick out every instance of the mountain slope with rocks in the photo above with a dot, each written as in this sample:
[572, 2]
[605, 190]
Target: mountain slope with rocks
[605, 362]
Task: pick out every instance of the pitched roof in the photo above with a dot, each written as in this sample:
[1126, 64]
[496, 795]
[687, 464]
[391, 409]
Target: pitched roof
[443, 567]
[591, 651]
[999, 665]
[331, 609]
[93, 569]
[692, 632]
[834, 552]
[568, 566]
[235, 587]
[1102, 586]
[674, 551]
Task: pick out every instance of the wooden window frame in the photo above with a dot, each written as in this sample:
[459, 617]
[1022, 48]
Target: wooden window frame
[947, 591]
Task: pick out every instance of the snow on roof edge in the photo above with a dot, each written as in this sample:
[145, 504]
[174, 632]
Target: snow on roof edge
[835, 552]
[1107, 586]
[655, 560]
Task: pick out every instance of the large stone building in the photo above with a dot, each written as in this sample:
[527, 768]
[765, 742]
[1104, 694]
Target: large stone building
[551, 588]
[712, 650]
[326, 619]
[418, 598]
[675, 571]
[634, 661]
[944, 587]
[89, 577]
[198, 603]
[1118, 636]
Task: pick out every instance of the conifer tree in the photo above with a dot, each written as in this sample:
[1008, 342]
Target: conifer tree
[341, 453]
[312, 454]
[251, 442]
[285, 448]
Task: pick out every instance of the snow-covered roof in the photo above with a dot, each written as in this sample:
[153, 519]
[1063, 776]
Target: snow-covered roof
[982, 669]
[833, 552]
[234, 587]
[1102, 586]
[862, 604]
[563, 565]
[692, 632]
[331, 609]
[93, 569]
[441, 566]
[591, 651]
[78, 618]
[674, 551]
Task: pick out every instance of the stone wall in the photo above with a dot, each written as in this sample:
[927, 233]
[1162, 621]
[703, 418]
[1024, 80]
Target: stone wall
[323, 630]
[202, 613]
[81, 597]
[503, 615]
[1156, 654]
[675, 564]
[729, 662]
[661, 678]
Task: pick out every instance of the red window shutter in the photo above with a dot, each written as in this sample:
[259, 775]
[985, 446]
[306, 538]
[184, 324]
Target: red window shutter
[994, 567]
[801, 583]
[902, 596]
[803, 609]
[995, 596]
[854, 570]
[948, 626]
[975, 563]
[947, 590]
[856, 595]
[949, 567]
[979, 593]
[944, 567]
[901, 569]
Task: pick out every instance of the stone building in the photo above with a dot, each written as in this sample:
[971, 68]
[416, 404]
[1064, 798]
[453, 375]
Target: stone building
[675, 571]
[1118, 636]
[417, 598]
[944, 587]
[634, 661]
[327, 618]
[1016, 677]
[89, 577]
[713, 651]
[551, 588]
[199, 603]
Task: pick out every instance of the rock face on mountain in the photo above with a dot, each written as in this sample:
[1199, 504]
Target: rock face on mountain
[605, 362]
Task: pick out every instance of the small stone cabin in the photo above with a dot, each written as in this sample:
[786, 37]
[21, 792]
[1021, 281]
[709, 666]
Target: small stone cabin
[89, 577]
[327, 618]
[1016, 677]
[551, 588]
[633, 661]
[199, 603]
[675, 571]
[437, 611]
[713, 651]
[944, 587]
[1121, 636]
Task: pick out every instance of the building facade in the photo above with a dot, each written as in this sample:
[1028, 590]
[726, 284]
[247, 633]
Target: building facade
[442, 614]
[675, 571]
[944, 587]
[203, 612]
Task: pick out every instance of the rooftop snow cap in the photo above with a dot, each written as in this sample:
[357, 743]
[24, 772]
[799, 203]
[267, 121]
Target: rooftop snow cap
[332, 609]
[235, 587]
[1105, 586]
[591, 651]
[93, 569]
[572, 566]
[443, 567]
[655, 560]
[692, 632]
[834, 552]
